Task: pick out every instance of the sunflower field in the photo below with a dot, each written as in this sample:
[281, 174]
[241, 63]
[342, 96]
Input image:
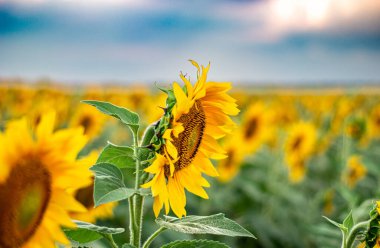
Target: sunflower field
[288, 165]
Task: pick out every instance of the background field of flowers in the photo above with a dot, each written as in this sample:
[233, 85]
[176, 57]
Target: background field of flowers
[295, 156]
[305, 74]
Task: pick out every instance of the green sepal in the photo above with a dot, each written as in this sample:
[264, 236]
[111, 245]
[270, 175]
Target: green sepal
[348, 222]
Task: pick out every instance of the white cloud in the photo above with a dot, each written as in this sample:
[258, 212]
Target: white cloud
[271, 20]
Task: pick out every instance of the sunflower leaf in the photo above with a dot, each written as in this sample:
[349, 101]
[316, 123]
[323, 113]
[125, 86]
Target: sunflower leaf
[195, 244]
[120, 156]
[340, 226]
[126, 116]
[109, 184]
[214, 224]
[348, 222]
[87, 232]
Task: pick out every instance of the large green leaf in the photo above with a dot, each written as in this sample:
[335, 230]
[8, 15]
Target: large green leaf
[195, 244]
[120, 156]
[109, 184]
[126, 116]
[214, 224]
[87, 232]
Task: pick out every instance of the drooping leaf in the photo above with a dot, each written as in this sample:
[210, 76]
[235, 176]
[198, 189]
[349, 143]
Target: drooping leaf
[87, 232]
[124, 115]
[195, 244]
[214, 224]
[120, 156]
[109, 184]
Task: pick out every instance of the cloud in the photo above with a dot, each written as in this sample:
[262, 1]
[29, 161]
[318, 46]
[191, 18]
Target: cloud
[267, 21]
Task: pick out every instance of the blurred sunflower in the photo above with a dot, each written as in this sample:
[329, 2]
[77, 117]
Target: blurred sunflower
[356, 128]
[355, 171]
[36, 171]
[84, 195]
[299, 145]
[199, 117]
[228, 168]
[256, 127]
[374, 122]
[89, 118]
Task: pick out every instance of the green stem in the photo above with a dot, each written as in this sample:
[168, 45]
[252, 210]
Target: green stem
[354, 231]
[153, 236]
[137, 199]
[110, 240]
[343, 245]
[131, 220]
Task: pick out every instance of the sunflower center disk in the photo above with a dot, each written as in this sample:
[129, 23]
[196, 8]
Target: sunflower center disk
[85, 196]
[251, 128]
[189, 140]
[230, 159]
[86, 122]
[24, 198]
[297, 143]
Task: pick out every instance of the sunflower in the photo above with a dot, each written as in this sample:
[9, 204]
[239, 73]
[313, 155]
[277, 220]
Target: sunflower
[36, 170]
[299, 145]
[256, 127]
[228, 168]
[89, 118]
[84, 195]
[198, 118]
[355, 171]
[374, 122]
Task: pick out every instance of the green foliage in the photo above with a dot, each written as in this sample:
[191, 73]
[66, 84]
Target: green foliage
[348, 222]
[109, 184]
[120, 156]
[87, 232]
[126, 116]
[214, 224]
[195, 244]
[347, 225]
[128, 246]
[373, 231]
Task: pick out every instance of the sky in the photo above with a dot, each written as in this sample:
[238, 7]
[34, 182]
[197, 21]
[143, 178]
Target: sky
[246, 41]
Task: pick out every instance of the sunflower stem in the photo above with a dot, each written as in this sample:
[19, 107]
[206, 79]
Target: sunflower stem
[137, 200]
[354, 232]
[110, 240]
[131, 221]
[153, 236]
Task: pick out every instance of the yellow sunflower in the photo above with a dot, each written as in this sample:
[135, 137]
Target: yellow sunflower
[89, 118]
[84, 195]
[256, 127]
[374, 122]
[199, 117]
[36, 170]
[228, 168]
[299, 145]
[355, 171]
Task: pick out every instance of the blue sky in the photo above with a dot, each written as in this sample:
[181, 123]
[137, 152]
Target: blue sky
[147, 41]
